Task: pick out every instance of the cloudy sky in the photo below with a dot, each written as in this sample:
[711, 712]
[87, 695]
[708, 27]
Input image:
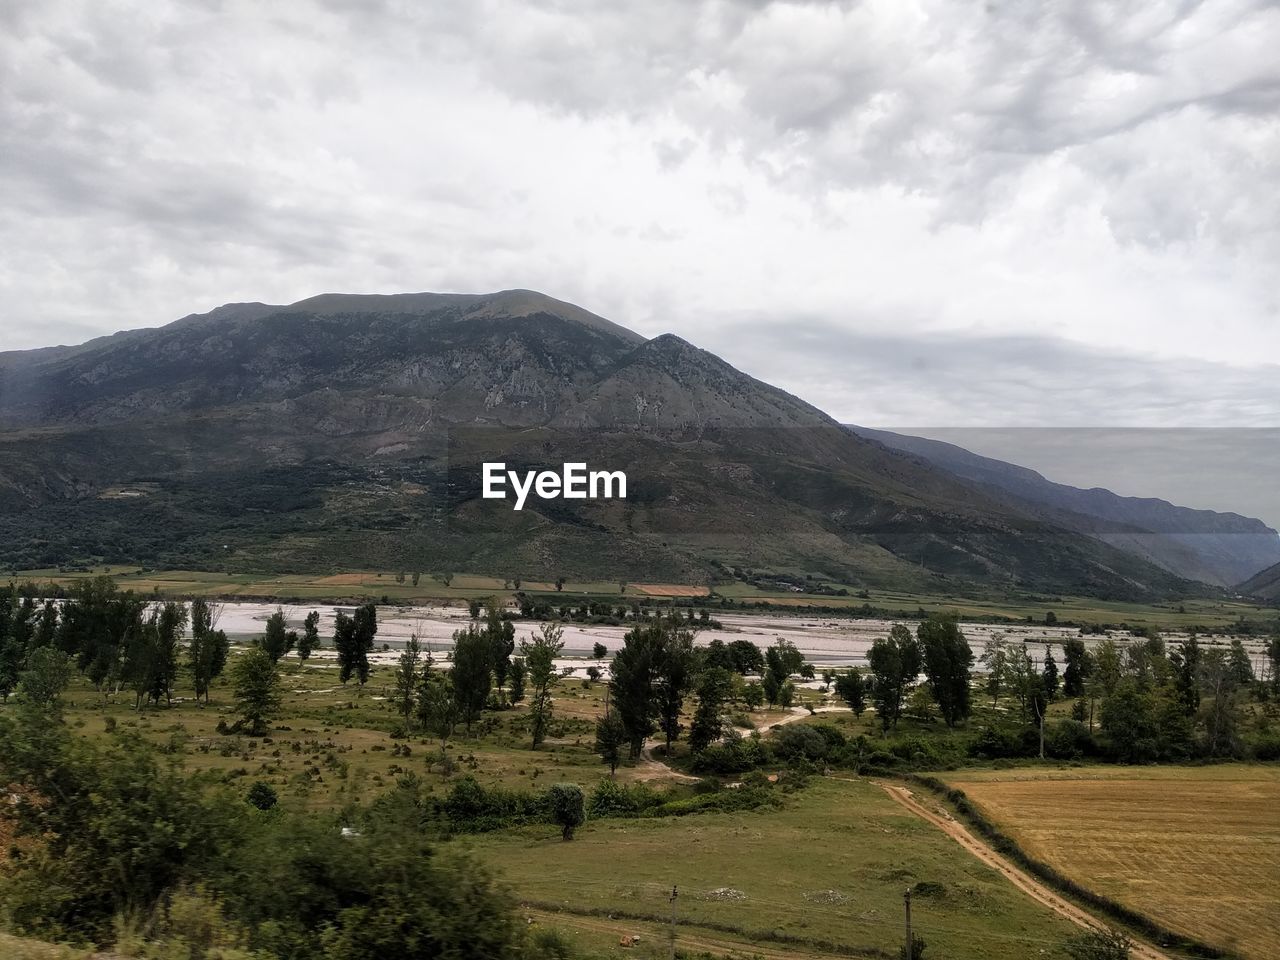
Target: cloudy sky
[924, 212]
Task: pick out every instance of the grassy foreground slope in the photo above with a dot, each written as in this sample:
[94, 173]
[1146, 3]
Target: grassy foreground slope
[827, 871]
[1195, 848]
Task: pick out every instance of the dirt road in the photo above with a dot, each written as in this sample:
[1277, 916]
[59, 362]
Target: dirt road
[1019, 878]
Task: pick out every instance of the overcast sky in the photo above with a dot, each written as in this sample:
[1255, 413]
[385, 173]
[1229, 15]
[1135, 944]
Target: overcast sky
[905, 211]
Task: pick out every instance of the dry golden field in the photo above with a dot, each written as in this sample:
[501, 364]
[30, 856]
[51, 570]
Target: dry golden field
[1195, 848]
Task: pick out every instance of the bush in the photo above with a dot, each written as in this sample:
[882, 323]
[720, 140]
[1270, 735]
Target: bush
[564, 801]
[262, 795]
[610, 799]
[797, 742]
[735, 755]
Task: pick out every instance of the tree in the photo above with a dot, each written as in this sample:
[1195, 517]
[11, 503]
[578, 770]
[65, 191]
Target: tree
[1128, 719]
[633, 677]
[599, 651]
[568, 810]
[714, 686]
[611, 737]
[947, 659]
[1050, 674]
[1241, 665]
[209, 648]
[256, 690]
[747, 657]
[471, 673]
[1099, 945]
[275, 639]
[353, 637]
[502, 643]
[262, 795]
[539, 657]
[753, 695]
[438, 704]
[473, 609]
[996, 659]
[1078, 669]
[406, 680]
[46, 677]
[1221, 717]
[895, 665]
[560, 581]
[1186, 665]
[675, 675]
[519, 674]
[309, 642]
[852, 690]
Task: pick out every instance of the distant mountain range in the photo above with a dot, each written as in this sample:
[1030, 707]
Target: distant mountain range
[345, 432]
[1224, 549]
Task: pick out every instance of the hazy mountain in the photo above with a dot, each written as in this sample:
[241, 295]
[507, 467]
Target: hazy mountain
[1265, 584]
[346, 432]
[1218, 548]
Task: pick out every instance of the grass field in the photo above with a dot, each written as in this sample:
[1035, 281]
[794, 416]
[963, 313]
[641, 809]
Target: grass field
[829, 869]
[1207, 613]
[1195, 848]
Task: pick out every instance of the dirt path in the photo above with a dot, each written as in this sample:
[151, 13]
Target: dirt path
[1023, 881]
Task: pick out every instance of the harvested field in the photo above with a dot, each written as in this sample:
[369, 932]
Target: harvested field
[1196, 849]
[670, 590]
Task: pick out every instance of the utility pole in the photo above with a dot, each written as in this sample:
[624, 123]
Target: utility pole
[673, 922]
[910, 949]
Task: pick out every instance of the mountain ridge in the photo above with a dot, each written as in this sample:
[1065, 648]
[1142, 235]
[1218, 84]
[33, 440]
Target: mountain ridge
[347, 429]
[1218, 547]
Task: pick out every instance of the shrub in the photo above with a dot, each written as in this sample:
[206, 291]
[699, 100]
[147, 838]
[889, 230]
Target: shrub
[262, 795]
[564, 801]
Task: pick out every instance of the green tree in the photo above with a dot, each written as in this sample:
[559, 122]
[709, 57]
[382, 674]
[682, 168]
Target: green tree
[47, 675]
[275, 639]
[257, 690]
[753, 695]
[209, 648]
[996, 660]
[568, 810]
[519, 674]
[895, 666]
[675, 676]
[539, 657]
[852, 690]
[472, 674]
[1050, 674]
[438, 704]
[405, 698]
[309, 642]
[947, 659]
[1079, 666]
[353, 637]
[1186, 665]
[599, 651]
[502, 643]
[1241, 665]
[633, 678]
[1128, 720]
[611, 738]
[714, 686]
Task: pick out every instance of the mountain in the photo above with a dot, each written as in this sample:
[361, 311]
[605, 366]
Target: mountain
[1265, 585]
[347, 432]
[1217, 548]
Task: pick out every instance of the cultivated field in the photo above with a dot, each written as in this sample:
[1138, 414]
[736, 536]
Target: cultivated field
[1195, 848]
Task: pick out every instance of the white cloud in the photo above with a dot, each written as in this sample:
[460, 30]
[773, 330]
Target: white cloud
[1096, 182]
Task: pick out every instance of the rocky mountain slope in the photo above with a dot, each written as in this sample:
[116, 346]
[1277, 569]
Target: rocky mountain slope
[346, 432]
[1223, 549]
